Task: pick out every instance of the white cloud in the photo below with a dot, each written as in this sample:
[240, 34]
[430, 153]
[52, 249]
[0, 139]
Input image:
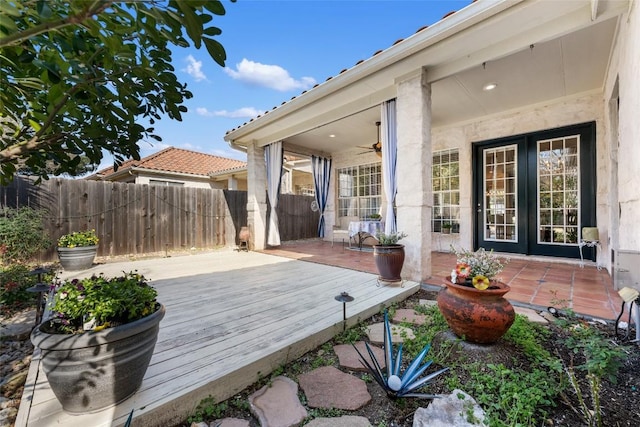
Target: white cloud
[194, 69]
[271, 76]
[249, 112]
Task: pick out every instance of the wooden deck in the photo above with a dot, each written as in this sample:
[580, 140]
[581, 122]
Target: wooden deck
[231, 317]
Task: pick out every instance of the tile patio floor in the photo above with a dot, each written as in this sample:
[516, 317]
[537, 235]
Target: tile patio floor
[539, 282]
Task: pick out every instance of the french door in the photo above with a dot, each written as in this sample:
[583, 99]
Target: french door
[535, 192]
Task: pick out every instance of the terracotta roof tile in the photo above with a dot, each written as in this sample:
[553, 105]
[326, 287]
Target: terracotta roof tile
[180, 161]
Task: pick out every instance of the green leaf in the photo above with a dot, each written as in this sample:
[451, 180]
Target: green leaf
[216, 51]
[192, 24]
[215, 7]
[43, 9]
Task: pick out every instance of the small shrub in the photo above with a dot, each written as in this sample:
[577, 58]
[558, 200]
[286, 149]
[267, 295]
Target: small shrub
[22, 234]
[14, 281]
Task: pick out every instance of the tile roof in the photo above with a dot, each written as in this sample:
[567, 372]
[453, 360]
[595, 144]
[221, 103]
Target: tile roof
[342, 71]
[178, 160]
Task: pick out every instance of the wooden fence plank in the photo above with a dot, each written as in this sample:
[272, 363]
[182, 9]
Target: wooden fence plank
[142, 219]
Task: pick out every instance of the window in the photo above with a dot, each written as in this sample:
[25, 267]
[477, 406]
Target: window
[166, 183]
[359, 190]
[445, 175]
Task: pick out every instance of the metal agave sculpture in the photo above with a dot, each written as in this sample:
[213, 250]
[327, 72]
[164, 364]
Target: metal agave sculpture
[394, 382]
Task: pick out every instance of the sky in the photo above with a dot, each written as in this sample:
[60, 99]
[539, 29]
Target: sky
[275, 50]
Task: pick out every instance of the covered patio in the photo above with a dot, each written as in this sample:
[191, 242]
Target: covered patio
[537, 282]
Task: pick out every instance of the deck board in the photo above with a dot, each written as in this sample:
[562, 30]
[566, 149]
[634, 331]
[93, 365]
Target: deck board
[231, 318]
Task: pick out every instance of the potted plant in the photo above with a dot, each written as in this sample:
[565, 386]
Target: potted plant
[375, 217]
[473, 302]
[98, 341]
[388, 255]
[77, 250]
[446, 228]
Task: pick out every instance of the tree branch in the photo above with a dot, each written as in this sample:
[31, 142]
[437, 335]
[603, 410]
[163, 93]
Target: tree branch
[96, 8]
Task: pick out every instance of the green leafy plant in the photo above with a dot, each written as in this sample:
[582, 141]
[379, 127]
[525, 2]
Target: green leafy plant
[78, 239]
[447, 225]
[22, 234]
[98, 302]
[390, 239]
[375, 217]
[78, 77]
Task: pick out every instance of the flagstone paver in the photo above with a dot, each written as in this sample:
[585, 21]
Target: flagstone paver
[375, 332]
[532, 315]
[343, 421]
[409, 316]
[428, 302]
[350, 359]
[277, 404]
[328, 387]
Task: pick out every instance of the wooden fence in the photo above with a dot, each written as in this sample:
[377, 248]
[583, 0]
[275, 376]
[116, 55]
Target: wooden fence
[133, 219]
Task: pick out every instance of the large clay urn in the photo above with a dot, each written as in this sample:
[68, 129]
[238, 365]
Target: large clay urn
[477, 316]
[389, 260]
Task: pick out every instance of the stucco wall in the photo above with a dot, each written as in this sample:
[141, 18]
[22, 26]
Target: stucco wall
[627, 69]
[141, 179]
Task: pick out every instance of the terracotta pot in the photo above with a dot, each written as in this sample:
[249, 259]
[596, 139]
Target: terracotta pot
[389, 260]
[95, 370]
[481, 317]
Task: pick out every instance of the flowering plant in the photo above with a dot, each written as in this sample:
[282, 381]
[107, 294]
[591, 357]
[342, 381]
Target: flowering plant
[480, 266]
[97, 302]
[78, 238]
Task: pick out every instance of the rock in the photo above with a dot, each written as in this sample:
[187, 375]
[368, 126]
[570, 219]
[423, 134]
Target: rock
[277, 404]
[200, 424]
[19, 326]
[375, 333]
[532, 315]
[455, 410]
[343, 421]
[8, 417]
[409, 316]
[13, 383]
[350, 359]
[328, 387]
[230, 422]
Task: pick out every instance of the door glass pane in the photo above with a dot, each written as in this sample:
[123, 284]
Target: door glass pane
[500, 190]
[558, 183]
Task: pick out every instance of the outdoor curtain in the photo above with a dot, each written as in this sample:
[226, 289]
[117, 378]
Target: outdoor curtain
[389, 158]
[321, 168]
[273, 158]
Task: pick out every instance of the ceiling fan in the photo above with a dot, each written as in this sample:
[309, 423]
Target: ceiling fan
[376, 147]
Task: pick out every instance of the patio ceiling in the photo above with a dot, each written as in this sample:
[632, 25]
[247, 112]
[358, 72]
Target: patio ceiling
[534, 51]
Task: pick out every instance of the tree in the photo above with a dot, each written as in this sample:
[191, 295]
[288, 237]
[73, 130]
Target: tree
[82, 76]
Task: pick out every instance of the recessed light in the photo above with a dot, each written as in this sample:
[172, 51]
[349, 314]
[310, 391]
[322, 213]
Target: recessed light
[489, 86]
[332, 136]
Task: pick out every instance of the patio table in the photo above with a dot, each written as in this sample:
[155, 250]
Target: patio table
[363, 229]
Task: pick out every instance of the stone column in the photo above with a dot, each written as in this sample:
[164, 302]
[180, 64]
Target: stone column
[414, 199]
[256, 196]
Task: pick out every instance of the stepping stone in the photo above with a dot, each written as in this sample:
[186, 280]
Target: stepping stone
[532, 315]
[328, 387]
[350, 359]
[428, 302]
[375, 333]
[231, 422]
[343, 421]
[409, 316]
[277, 404]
